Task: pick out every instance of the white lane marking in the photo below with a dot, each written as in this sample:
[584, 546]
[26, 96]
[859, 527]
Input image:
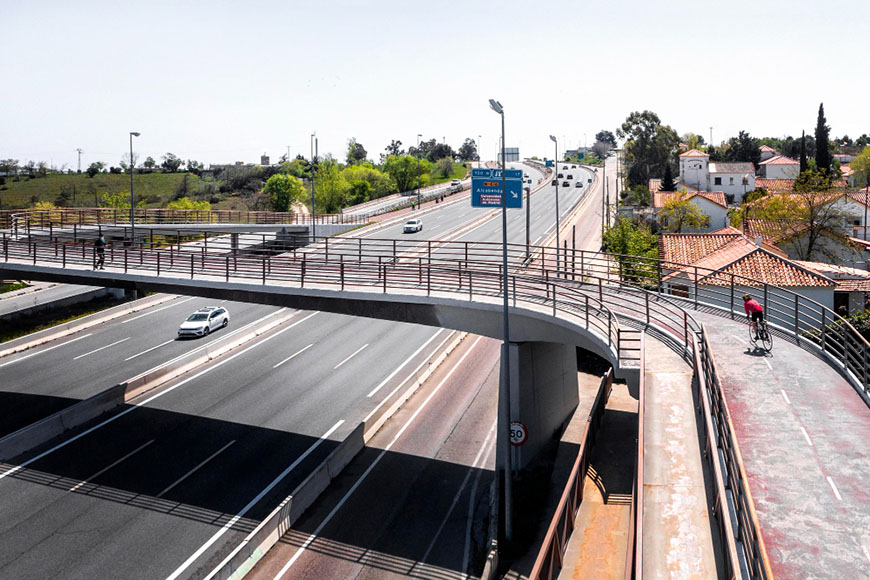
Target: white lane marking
[150, 312]
[101, 348]
[293, 355]
[149, 350]
[192, 471]
[371, 467]
[105, 469]
[411, 375]
[807, 437]
[834, 487]
[45, 350]
[785, 396]
[401, 366]
[767, 363]
[359, 350]
[149, 399]
[253, 502]
[466, 552]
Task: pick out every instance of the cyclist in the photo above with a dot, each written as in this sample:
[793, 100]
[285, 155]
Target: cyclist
[100, 246]
[754, 311]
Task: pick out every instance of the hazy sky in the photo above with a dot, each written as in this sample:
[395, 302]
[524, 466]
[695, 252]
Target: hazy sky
[227, 81]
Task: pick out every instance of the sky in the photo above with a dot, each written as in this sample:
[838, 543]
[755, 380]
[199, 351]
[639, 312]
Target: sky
[221, 82]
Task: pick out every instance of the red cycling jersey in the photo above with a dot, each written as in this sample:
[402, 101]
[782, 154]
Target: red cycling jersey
[752, 306]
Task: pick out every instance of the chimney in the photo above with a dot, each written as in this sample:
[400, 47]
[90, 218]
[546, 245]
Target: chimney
[758, 241]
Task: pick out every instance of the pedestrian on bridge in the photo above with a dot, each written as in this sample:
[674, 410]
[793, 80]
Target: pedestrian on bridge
[100, 247]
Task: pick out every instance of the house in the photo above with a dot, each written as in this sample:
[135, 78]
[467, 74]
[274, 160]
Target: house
[733, 179]
[767, 152]
[793, 240]
[779, 167]
[720, 266]
[710, 203]
[775, 185]
[656, 185]
[852, 286]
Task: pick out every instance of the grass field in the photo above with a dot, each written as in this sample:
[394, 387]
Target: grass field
[155, 188]
[459, 171]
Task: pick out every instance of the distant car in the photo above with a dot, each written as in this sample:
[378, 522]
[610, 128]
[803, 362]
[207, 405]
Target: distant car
[578, 184]
[414, 225]
[203, 321]
[573, 167]
[570, 176]
[455, 182]
[566, 184]
[554, 182]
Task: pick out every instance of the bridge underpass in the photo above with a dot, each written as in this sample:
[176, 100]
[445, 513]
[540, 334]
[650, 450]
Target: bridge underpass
[481, 289]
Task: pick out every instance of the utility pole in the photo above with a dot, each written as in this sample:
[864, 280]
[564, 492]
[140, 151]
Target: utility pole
[711, 136]
[313, 210]
[80, 159]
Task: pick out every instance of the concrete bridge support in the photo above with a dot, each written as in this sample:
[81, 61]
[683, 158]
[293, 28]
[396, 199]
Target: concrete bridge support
[543, 395]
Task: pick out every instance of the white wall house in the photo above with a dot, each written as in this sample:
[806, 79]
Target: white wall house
[733, 179]
[710, 203]
[767, 152]
[694, 169]
[780, 167]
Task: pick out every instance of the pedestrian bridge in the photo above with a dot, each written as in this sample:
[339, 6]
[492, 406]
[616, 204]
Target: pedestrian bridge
[593, 301]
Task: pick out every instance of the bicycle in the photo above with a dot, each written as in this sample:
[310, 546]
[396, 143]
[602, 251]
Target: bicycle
[758, 331]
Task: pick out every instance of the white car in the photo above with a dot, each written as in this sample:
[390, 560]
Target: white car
[203, 321]
[414, 225]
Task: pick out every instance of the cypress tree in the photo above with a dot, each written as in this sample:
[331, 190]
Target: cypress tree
[824, 159]
[668, 180]
[804, 164]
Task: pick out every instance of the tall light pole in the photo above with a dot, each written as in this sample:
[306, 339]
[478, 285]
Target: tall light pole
[504, 418]
[419, 136]
[479, 151]
[556, 157]
[132, 198]
[313, 210]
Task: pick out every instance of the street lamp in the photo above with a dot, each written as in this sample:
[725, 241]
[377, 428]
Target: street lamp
[556, 145]
[418, 169]
[313, 210]
[504, 395]
[479, 151]
[132, 199]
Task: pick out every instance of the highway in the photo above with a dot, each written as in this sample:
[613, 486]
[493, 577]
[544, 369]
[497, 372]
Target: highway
[221, 446]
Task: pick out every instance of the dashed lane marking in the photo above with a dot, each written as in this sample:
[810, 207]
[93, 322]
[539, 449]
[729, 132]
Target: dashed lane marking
[101, 348]
[834, 487]
[785, 396]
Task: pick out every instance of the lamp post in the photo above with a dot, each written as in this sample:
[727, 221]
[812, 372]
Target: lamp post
[556, 157]
[419, 136]
[313, 210]
[504, 395]
[479, 151]
[132, 198]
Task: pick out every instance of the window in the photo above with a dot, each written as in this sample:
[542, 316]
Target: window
[680, 290]
[717, 181]
[731, 182]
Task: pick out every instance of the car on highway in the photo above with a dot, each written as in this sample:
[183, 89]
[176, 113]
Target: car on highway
[573, 167]
[566, 184]
[570, 176]
[560, 176]
[578, 184]
[203, 321]
[554, 182]
[414, 225]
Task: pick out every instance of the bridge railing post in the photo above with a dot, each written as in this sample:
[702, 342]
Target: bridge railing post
[158, 263]
[228, 269]
[341, 266]
[63, 255]
[125, 264]
[6, 247]
[191, 263]
[302, 273]
[264, 268]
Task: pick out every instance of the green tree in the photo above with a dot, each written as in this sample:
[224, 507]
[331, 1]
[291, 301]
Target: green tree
[693, 141]
[331, 190]
[283, 190]
[394, 148]
[404, 170]
[668, 180]
[195, 167]
[171, 163]
[631, 240]
[118, 200]
[187, 203]
[358, 191]
[824, 158]
[743, 148]
[299, 168]
[149, 163]
[468, 150]
[649, 145]
[607, 138]
[861, 167]
[443, 168]
[803, 158]
[679, 212]
[356, 153]
[380, 183]
[9, 166]
[95, 167]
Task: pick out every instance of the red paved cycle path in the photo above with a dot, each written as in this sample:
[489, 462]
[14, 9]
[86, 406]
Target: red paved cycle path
[804, 434]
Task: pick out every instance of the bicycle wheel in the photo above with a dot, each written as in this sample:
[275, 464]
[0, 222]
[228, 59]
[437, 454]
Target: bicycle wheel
[753, 336]
[766, 339]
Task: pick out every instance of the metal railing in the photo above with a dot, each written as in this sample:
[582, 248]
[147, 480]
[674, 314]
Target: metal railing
[634, 550]
[550, 556]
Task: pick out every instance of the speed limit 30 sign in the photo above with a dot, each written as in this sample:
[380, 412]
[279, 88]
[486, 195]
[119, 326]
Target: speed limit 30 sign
[519, 433]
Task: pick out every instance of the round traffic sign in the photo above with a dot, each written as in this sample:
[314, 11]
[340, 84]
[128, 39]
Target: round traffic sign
[519, 433]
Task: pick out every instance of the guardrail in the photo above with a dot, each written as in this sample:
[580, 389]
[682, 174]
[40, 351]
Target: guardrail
[549, 560]
[634, 550]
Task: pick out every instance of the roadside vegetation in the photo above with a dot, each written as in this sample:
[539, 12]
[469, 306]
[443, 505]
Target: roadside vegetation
[49, 318]
[11, 286]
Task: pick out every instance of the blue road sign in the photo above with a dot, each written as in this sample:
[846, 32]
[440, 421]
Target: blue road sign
[486, 188]
[549, 162]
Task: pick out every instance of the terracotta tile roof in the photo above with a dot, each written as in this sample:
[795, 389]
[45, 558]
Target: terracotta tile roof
[780, 160]
[846, 169]
[860, 197]
[694, 153]
[660, 198]
[732, 168]
[847, 279]
[767, 149]
[772, 231]
[655, 185]
[775, 185]
[732, 254]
